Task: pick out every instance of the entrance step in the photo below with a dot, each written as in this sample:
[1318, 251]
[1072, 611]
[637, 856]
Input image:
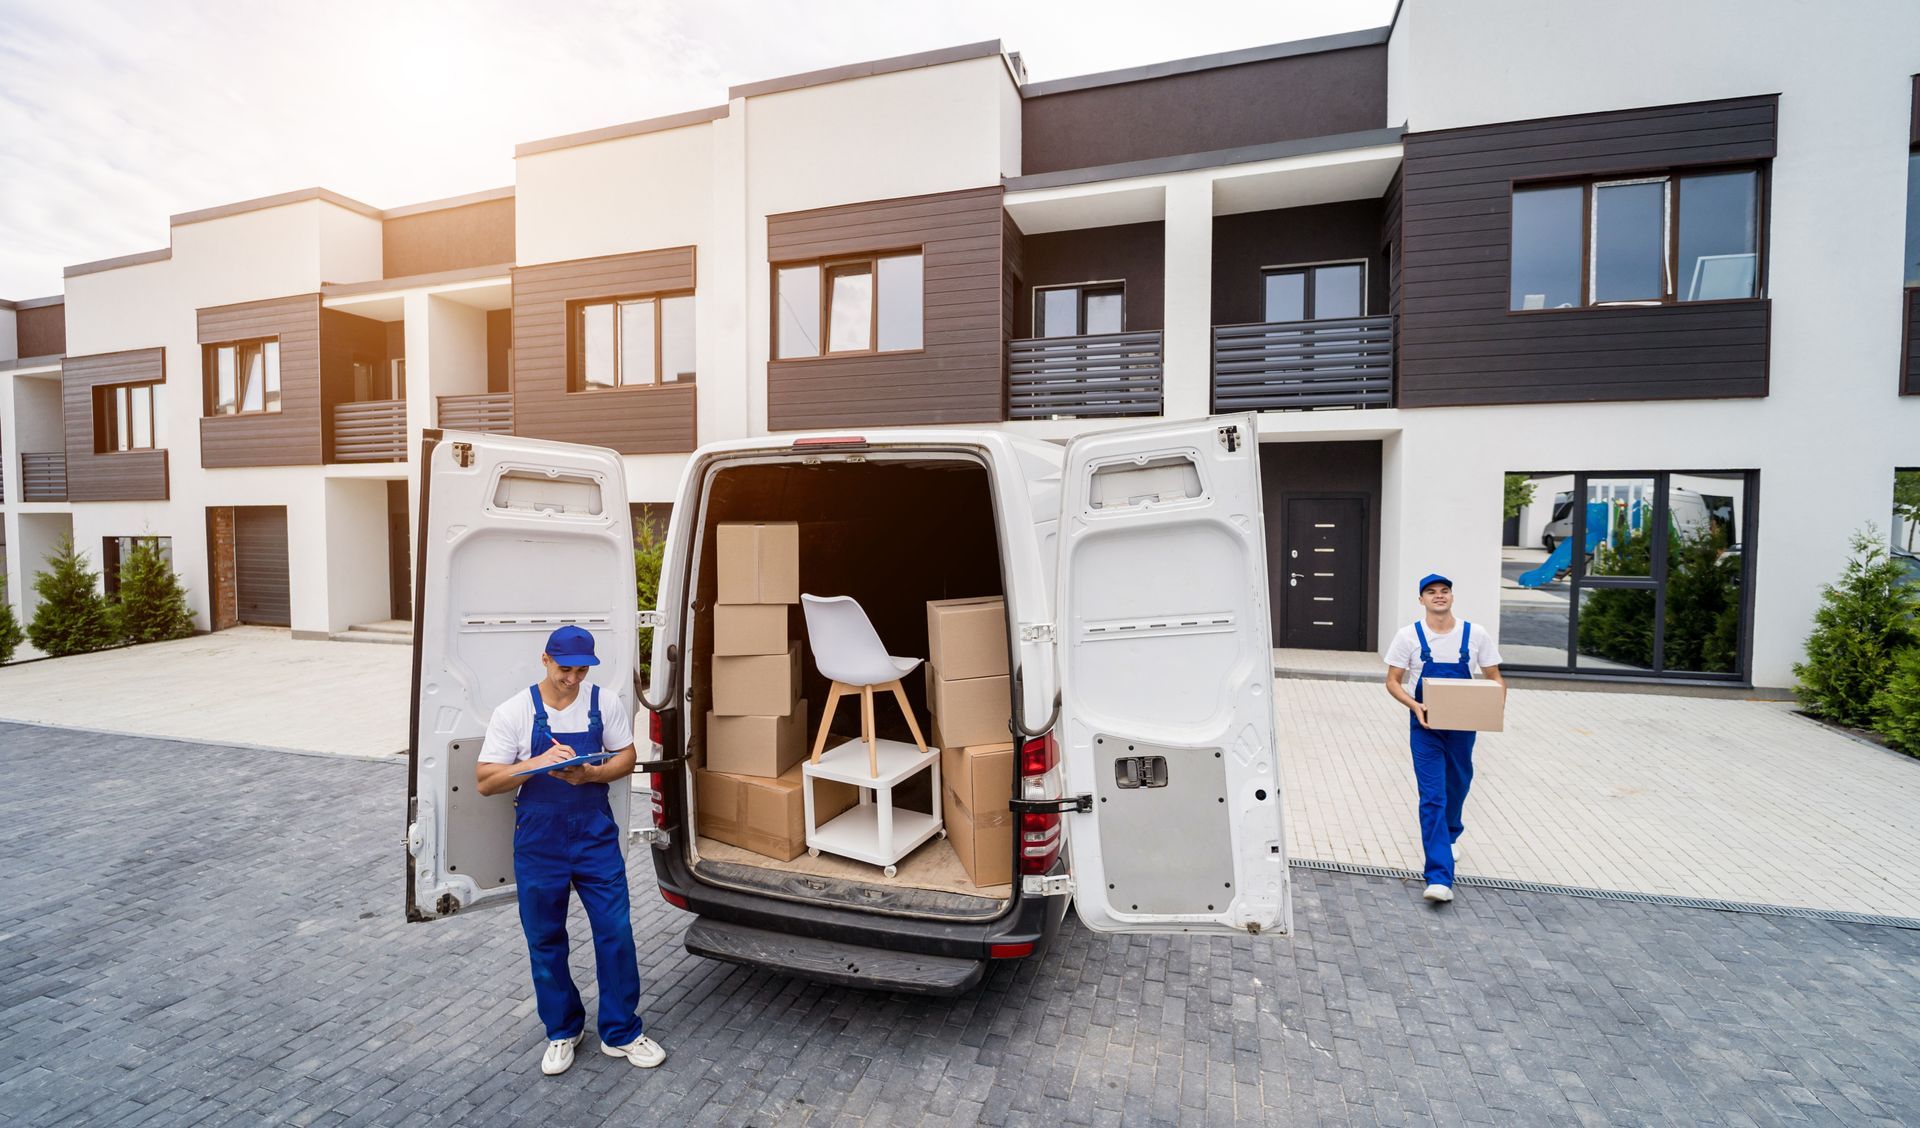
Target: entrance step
[390, 632]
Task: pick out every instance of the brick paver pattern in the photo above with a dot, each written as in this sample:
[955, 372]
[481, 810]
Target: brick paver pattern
[211, 936]
[1728, 799]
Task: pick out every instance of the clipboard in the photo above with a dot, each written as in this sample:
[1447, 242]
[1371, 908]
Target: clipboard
[576, 762]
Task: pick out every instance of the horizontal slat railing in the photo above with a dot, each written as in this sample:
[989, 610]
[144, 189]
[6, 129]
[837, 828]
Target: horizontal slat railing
[1297, 365]
[370, 431]
[43, 476]
[1085, 377]
[489, 414]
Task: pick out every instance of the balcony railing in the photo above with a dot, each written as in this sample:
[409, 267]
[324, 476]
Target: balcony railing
[370, 431]
[1085, 377]
[1300, 365]
[489, 414]
[43, 476]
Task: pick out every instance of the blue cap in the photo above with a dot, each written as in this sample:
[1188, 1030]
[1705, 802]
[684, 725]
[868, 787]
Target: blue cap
[571, 646]
[1432, 578]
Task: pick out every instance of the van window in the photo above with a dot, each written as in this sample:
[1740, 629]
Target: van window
[1160, 480]
[530, 492]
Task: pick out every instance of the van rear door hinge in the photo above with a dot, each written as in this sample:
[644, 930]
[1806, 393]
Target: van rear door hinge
[1047, 885]
[1036, 632]
[650, 620]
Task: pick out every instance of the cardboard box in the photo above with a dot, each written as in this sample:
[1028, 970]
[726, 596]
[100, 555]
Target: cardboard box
[767, 816]
[756, 685]
[981, 777]
[750, 628]
[1464, 706]
[983, 842]
[967, 638]
[757, 746]
[969, 710]
[759, 563]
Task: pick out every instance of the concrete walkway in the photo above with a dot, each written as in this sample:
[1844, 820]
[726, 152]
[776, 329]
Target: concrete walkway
[1726, 799]
[251, 685]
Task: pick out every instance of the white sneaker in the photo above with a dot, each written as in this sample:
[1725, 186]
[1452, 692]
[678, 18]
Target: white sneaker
[643, 1052]
[559, 1056]
[1439, 894]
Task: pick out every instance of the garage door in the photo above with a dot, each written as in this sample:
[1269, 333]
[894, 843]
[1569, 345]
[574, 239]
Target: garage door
[260, 565]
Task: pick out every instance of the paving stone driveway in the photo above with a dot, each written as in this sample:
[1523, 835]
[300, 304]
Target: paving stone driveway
[204, 935]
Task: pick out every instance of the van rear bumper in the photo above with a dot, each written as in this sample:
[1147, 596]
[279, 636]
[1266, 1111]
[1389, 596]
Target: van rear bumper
[832, 961]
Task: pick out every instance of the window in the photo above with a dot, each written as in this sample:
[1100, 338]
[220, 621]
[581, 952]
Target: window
[1649, 240]
[1085, 310]
[1314, 293]
[1660, 587]
[1913, 219]
[379, 380]
[243, 377]
[633, 342]
[126, 416]
[841, 306]
[116, 551]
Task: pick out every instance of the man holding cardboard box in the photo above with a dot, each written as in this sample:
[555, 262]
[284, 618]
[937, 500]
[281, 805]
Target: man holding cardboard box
[1443, 745]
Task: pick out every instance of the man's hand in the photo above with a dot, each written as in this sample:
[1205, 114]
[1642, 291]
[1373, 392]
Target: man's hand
[558, 754]
[577, 776]
[1420, 714]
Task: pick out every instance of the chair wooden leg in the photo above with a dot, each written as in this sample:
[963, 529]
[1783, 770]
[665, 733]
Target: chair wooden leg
[866, 730]
[834, 693]
[913, 726]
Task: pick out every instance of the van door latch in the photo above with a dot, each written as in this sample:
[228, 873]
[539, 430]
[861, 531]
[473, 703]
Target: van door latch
[1073, 805]
[1047, 885]
[650, 620]
[1230, 438]
[1036, 632]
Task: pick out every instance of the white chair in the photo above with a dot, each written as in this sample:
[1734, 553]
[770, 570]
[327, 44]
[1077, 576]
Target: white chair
[849, 653]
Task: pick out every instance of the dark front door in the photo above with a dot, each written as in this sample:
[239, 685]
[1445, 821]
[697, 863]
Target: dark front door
[1325, 562]
[399, 553]
[260, 564]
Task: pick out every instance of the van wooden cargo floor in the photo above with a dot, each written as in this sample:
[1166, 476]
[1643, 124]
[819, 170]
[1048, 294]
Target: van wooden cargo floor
[933, 866]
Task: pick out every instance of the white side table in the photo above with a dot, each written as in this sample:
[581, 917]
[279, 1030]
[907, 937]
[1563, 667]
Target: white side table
[873, 832]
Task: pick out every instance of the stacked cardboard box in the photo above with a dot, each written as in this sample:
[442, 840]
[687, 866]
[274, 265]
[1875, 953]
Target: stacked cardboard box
[977, 785]
[767, 816]
[757, 723]
[968, 693]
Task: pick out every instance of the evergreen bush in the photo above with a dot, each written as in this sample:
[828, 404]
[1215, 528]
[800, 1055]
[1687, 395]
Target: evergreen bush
[73, 617]
[153, 605]
[11, 636]
[1897, 707]
[1863, 621]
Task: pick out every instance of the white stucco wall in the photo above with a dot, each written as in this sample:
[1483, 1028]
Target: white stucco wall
[357, 582]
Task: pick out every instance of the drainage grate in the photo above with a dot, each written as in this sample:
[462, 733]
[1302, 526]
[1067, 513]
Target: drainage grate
[1667, 899]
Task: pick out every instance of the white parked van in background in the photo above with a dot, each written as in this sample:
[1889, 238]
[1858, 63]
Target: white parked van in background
[1133, 568]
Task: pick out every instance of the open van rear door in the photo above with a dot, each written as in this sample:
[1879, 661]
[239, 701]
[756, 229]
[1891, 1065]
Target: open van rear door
[1166, 666]
[516, 538]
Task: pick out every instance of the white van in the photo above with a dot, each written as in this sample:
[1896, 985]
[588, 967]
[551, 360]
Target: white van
[1133, 567]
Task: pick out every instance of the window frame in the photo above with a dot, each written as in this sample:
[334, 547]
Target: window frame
[113, 557]
[1670, 242]
[1096, 286]
[1308, 296]
[210, 375]
[823, 323]
[108, 423]
[576, 354]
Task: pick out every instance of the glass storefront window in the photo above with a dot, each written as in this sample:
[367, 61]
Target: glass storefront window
[1536, 596]
[1616, 630]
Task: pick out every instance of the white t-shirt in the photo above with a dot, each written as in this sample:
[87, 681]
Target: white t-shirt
[1404, 650]
[510, 733]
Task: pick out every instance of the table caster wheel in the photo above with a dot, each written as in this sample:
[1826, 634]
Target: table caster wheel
[813, 851]
[943, 832]
[890, 871]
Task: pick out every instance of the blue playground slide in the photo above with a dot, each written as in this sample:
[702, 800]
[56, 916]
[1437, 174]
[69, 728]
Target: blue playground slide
[1598, 520]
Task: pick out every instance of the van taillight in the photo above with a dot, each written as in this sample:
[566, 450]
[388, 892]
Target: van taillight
[656, 735]
[656, 730]
[1039, 779]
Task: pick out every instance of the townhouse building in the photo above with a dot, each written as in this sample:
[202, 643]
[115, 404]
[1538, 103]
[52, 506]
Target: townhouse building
[1618, 329]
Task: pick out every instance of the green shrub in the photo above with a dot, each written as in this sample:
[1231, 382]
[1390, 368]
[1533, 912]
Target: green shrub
[11, 636]
[649, 552]
[1617, 623]
[1897, 707]
[1863, 621]
[153, 605]
[1519, 495]
[1703, 604]
[73, 617]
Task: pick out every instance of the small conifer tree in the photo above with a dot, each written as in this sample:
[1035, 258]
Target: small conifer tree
[153, 605]
[1871, 614]
[73, 617]
[1897, 707]
[11, 636]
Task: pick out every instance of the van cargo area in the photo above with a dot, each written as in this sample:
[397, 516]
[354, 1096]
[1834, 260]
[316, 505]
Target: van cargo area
[893, 531]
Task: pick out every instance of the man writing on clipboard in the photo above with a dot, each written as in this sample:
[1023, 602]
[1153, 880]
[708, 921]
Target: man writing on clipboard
[565, 837]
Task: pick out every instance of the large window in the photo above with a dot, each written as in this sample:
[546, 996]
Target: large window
[1913, 219]
[1904, 530]
[1082, 310]
[1649, 240]
[243, 377]
[1628, 573]
[114, 552]
[841, 306]
[1315, 293]
[633, 342]
[126, 416]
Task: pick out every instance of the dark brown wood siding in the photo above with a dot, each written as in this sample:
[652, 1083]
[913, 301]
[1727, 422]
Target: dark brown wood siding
[41, 330]
[1013, 273]
[1910, 386]
[1457, 342]
[1245, 244]
[290, 436]
[1256, 103]
[638, 420]
[450, 239]
[1132, 253]
[126, 475]
[1390, 210]
[958, 374]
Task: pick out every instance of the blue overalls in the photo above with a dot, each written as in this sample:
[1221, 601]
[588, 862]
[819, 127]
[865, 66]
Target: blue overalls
[564, 835]
[1442, 763]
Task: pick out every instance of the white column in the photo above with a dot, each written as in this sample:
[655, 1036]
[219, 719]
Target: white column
[731, 272]
[1188, 339]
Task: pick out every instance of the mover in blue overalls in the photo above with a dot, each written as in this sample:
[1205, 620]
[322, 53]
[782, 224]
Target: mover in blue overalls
[565, 837]
[1442, 760]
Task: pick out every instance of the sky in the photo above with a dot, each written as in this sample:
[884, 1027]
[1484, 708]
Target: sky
[115, 115]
